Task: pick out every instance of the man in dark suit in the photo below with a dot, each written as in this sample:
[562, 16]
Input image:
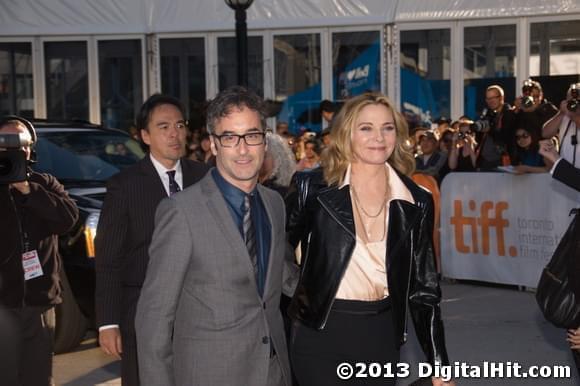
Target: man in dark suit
[126, 225]
[209, 311]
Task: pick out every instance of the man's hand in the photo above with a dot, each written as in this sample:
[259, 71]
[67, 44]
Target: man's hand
[110, 341]
[521, 169]
[441, 382]
[574, 339]
[23, 187]
[548, 151]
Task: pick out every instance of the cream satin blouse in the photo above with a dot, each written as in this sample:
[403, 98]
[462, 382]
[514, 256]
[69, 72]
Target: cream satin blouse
[365, 277]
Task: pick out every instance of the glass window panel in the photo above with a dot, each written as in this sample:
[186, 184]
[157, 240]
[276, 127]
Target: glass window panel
[555, 56]
[228, 63]
[120, 81]
[425, 75]
[16, 87]
[356, 66]
[297, 80]
[489, 58]
[67, 83]
[183, 70]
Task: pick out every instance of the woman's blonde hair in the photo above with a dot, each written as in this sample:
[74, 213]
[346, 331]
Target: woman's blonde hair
[338, 155]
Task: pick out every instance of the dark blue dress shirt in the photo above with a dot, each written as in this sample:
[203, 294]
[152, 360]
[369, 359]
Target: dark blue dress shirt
[234, 198]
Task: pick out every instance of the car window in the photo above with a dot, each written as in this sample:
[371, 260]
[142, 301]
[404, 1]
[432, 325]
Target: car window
[85, 155]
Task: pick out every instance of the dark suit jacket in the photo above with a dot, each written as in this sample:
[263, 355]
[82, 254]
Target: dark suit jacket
[123, 235]
[565, 172]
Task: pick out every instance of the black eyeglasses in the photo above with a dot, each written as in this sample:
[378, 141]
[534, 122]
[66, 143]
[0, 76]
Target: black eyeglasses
[518, 137]
[233, 140]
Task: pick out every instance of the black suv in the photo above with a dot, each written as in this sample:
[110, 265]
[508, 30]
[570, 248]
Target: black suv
[82, 156]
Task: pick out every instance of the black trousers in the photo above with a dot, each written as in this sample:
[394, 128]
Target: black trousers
[26, 345]
[129, 360]
[356, 331]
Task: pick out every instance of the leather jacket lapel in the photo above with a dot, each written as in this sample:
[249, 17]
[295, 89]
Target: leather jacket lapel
[339, 206]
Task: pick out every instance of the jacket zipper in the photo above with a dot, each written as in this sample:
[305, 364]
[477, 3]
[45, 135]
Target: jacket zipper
[405, 331]
[405, 326]
[344, 270]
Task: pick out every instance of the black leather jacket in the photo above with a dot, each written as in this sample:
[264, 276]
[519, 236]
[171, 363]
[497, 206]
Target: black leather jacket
[322, 218]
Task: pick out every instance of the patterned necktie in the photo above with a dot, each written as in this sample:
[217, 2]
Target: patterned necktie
[250, 236]
[173, 185]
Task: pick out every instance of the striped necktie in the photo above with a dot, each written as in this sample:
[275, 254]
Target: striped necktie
[250, 235]
[173, 185]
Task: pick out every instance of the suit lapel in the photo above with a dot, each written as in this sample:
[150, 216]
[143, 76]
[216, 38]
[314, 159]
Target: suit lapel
[154, 183]
[220, 212]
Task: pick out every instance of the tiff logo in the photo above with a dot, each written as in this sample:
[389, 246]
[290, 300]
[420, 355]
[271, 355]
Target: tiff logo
[480, 225]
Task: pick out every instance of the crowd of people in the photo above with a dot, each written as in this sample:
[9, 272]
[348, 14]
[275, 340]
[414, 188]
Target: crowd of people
[503, 138]
[199, 241]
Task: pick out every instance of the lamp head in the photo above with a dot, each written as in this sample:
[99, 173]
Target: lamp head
[241, 5]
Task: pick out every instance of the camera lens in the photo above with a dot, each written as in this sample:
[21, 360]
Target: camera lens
[572, 105]
[528, 101]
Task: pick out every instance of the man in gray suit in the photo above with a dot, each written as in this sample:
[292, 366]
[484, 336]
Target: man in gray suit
[209, 308]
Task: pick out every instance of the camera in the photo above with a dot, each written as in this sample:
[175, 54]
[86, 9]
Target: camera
[528, 101]
[463, 135]
[13, 162]
[574, 101]
[485, 122]
[527, 98]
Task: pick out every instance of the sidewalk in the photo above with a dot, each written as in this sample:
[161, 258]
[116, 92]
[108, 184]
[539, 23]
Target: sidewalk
[482, 323]
[485, 323]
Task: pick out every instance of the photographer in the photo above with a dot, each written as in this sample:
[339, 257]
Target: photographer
[565, 125]
[497, 127]
[35, 210]
[532, 109]
[463, 153]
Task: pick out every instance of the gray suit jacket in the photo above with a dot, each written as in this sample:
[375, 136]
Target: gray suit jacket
[200, 319]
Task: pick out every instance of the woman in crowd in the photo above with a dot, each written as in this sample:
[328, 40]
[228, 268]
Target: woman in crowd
[369, 258]
[446, 141]
[463, 153]
[526, 158]
[566, 173]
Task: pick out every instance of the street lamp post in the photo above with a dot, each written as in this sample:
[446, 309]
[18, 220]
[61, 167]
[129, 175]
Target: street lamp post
[240, 6]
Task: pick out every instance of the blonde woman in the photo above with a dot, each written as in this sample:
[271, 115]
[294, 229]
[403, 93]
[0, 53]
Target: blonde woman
[369, 255]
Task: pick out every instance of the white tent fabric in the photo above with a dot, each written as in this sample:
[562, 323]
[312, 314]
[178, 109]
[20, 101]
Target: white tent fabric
[434, 10]
[72, 17]
[87, 17]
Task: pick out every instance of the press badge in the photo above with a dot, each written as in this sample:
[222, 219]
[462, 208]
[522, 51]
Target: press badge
[31, 265]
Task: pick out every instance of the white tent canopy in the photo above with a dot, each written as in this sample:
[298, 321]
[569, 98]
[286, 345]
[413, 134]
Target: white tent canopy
[86, 17]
